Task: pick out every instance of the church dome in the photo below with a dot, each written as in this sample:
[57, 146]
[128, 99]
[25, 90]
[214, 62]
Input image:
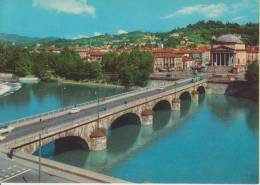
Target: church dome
[229, 38]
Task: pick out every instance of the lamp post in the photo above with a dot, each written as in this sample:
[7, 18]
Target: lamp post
[98, 109]
[62, 88]
[40, 152]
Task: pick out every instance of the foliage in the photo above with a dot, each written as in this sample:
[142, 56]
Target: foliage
[128, 69]
[252, 73]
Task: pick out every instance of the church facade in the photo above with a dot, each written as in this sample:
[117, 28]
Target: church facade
[228, 50]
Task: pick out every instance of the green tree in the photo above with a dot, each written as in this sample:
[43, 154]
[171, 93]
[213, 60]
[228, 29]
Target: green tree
[23, 66]
[252, 73]
[110, 62]
[93, 70]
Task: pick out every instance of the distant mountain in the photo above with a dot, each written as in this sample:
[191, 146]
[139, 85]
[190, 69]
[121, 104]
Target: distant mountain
[193, 35]
[22, 40]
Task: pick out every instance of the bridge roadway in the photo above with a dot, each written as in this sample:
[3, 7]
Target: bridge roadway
[66, 119]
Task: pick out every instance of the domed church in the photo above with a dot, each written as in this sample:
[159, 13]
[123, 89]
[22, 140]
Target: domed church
[228, 50]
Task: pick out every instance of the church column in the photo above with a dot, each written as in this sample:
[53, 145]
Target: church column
[217, 57]
[225, 59]
[221, 54]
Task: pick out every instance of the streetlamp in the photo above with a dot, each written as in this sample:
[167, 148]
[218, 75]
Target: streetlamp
[62, 88]
[40, 152]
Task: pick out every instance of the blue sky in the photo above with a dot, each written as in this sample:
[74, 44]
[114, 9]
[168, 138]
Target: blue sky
[79, 18]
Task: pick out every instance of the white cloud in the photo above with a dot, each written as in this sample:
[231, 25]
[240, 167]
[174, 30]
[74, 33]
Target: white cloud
[121, 31]
[80, 36]
[239, 18]
[97, 34]
[66, 6]
[209, 10]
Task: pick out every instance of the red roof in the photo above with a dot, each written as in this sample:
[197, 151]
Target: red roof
[252, 49]
[187, 58]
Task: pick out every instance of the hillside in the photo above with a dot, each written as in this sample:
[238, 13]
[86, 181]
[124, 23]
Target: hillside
[194, 34]
[22, 40]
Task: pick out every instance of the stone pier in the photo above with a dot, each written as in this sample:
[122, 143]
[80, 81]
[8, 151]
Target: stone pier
[147, 117]
[208, 90]
[176, 104]
[195, 96]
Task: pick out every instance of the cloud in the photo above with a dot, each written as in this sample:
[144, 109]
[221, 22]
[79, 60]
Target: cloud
[66, 6]
[239, 18]
[97, 34]
[209, 10]
[121, 31]
[80, 36]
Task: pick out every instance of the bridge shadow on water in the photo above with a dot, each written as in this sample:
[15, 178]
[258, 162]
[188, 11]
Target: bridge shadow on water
[162, 115]
[63, 147]
[123, 133]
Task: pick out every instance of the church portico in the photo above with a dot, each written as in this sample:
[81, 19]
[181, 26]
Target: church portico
[223, 58]
[228, 51]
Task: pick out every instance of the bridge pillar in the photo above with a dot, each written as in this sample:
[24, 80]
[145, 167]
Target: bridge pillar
[98, 140]
[147, 117]
[195, 96]
[176, 104]
[208, 90]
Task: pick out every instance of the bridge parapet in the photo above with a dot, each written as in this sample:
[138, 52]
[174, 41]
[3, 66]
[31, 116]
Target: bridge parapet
[84, 126]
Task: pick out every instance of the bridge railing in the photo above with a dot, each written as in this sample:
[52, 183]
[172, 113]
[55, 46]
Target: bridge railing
[54, 113]
[73, 122]
[81, 105]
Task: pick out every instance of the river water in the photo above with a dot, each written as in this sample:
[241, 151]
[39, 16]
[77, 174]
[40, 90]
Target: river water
[33, 99]
[213, 141]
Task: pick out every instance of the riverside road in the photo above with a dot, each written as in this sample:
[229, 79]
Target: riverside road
[66, 119]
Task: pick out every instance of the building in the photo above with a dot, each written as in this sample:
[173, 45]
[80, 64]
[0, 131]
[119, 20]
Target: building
[229, 50]
[252, 54]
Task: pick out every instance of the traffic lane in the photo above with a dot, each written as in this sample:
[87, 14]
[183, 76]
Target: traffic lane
[70, 117]
[13, 172]
[65, 119]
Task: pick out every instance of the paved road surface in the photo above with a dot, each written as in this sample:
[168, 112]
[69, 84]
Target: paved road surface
[68, 118]
[12, 171]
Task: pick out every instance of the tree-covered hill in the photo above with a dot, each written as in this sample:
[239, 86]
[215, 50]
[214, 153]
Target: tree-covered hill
[196, 34]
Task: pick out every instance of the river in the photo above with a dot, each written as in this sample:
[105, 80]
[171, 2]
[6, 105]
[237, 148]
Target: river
[33, 99]
[212, 141]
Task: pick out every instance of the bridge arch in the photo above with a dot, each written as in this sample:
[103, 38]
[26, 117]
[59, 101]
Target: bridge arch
[162, 105]
[186, 95]
[51, 147]
[201, 89]
[123, 132]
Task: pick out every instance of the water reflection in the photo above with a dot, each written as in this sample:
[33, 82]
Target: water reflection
[43, 97]
[123, 133]
[127, 138]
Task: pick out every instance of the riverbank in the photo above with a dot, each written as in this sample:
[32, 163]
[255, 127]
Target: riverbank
[243, 89]
[4, 89]
[96, 84]
[240, 89]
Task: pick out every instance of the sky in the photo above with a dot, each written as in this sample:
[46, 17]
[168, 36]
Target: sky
[85, 18]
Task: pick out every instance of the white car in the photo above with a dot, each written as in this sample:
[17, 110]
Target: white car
[5, 129]
[160, 88]
[74, 110]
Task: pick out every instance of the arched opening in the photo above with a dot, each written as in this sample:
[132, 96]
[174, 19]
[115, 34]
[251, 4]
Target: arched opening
[62, 145]
[201, 90]
[123, 133]
[185, 96]
[162, 105]
[162, 114]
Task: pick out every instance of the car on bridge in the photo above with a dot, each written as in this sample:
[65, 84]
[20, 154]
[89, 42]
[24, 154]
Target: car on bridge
[4, 129]
[74, 110]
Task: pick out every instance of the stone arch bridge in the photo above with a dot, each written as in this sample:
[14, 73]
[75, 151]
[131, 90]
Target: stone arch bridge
[142, 107]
